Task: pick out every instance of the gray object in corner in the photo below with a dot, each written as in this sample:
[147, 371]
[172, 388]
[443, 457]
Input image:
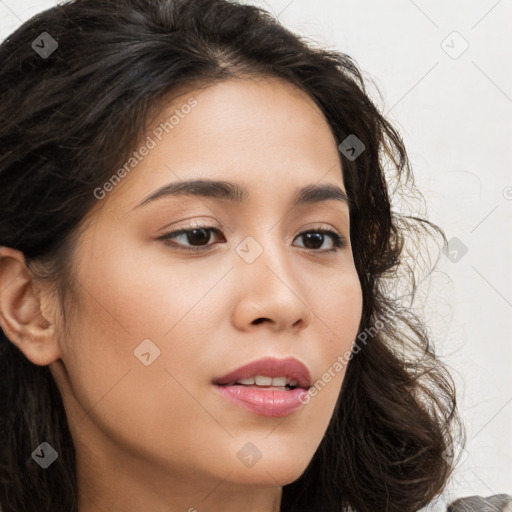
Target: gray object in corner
[495, 503]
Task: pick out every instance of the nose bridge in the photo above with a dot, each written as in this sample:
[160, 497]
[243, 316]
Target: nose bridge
[268, 284]
[267, 276]
[264, 250]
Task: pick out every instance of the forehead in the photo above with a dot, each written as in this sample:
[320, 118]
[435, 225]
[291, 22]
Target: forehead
[264, 133]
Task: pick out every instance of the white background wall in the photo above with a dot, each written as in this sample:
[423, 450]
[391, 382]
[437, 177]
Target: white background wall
[455, 115]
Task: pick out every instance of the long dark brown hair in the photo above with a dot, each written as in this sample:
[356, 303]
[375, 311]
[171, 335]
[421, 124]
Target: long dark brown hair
[70, 118]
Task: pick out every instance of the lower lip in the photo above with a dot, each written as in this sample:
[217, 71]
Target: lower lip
[272, 403]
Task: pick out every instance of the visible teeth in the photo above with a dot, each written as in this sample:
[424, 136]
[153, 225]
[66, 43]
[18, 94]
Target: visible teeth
[279, 381]
[247, 382]
[261, 380]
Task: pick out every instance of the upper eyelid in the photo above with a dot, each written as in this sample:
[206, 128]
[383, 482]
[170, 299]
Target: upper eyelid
[221, 229]
[211, 224]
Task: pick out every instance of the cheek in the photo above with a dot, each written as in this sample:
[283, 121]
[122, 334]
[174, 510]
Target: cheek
[125, 301]
[338, 309]
[141, 407]
[339, 306]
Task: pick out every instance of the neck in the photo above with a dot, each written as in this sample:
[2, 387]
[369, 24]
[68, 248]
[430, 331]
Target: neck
[108, 481]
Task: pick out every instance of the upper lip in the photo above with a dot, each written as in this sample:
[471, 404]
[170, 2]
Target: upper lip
[271, 367]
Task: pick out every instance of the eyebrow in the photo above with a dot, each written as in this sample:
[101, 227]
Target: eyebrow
[227, 190]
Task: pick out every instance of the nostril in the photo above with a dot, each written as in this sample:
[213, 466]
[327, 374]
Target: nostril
[258, 321]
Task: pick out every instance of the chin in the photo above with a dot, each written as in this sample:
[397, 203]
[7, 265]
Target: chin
[273, 471]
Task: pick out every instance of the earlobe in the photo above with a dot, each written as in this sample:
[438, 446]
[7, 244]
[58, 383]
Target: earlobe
[21, 317]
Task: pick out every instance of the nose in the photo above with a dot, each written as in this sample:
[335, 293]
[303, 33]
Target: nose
[268, 290]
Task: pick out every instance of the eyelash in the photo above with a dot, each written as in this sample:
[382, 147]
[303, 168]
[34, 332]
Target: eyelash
[338, 240]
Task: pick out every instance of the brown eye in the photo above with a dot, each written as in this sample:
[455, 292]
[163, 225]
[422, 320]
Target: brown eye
[315, 238]
[196, 237]
[199, 236]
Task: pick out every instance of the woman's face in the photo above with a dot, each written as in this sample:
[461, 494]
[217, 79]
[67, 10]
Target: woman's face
[156, 324]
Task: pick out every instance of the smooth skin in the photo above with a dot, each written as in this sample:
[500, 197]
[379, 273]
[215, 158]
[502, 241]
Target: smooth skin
[158, 437]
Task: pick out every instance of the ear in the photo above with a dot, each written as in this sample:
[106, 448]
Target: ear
[26, 313]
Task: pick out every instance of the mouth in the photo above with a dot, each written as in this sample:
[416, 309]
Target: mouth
[269, 373]
[272, 388]
[255, 386]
